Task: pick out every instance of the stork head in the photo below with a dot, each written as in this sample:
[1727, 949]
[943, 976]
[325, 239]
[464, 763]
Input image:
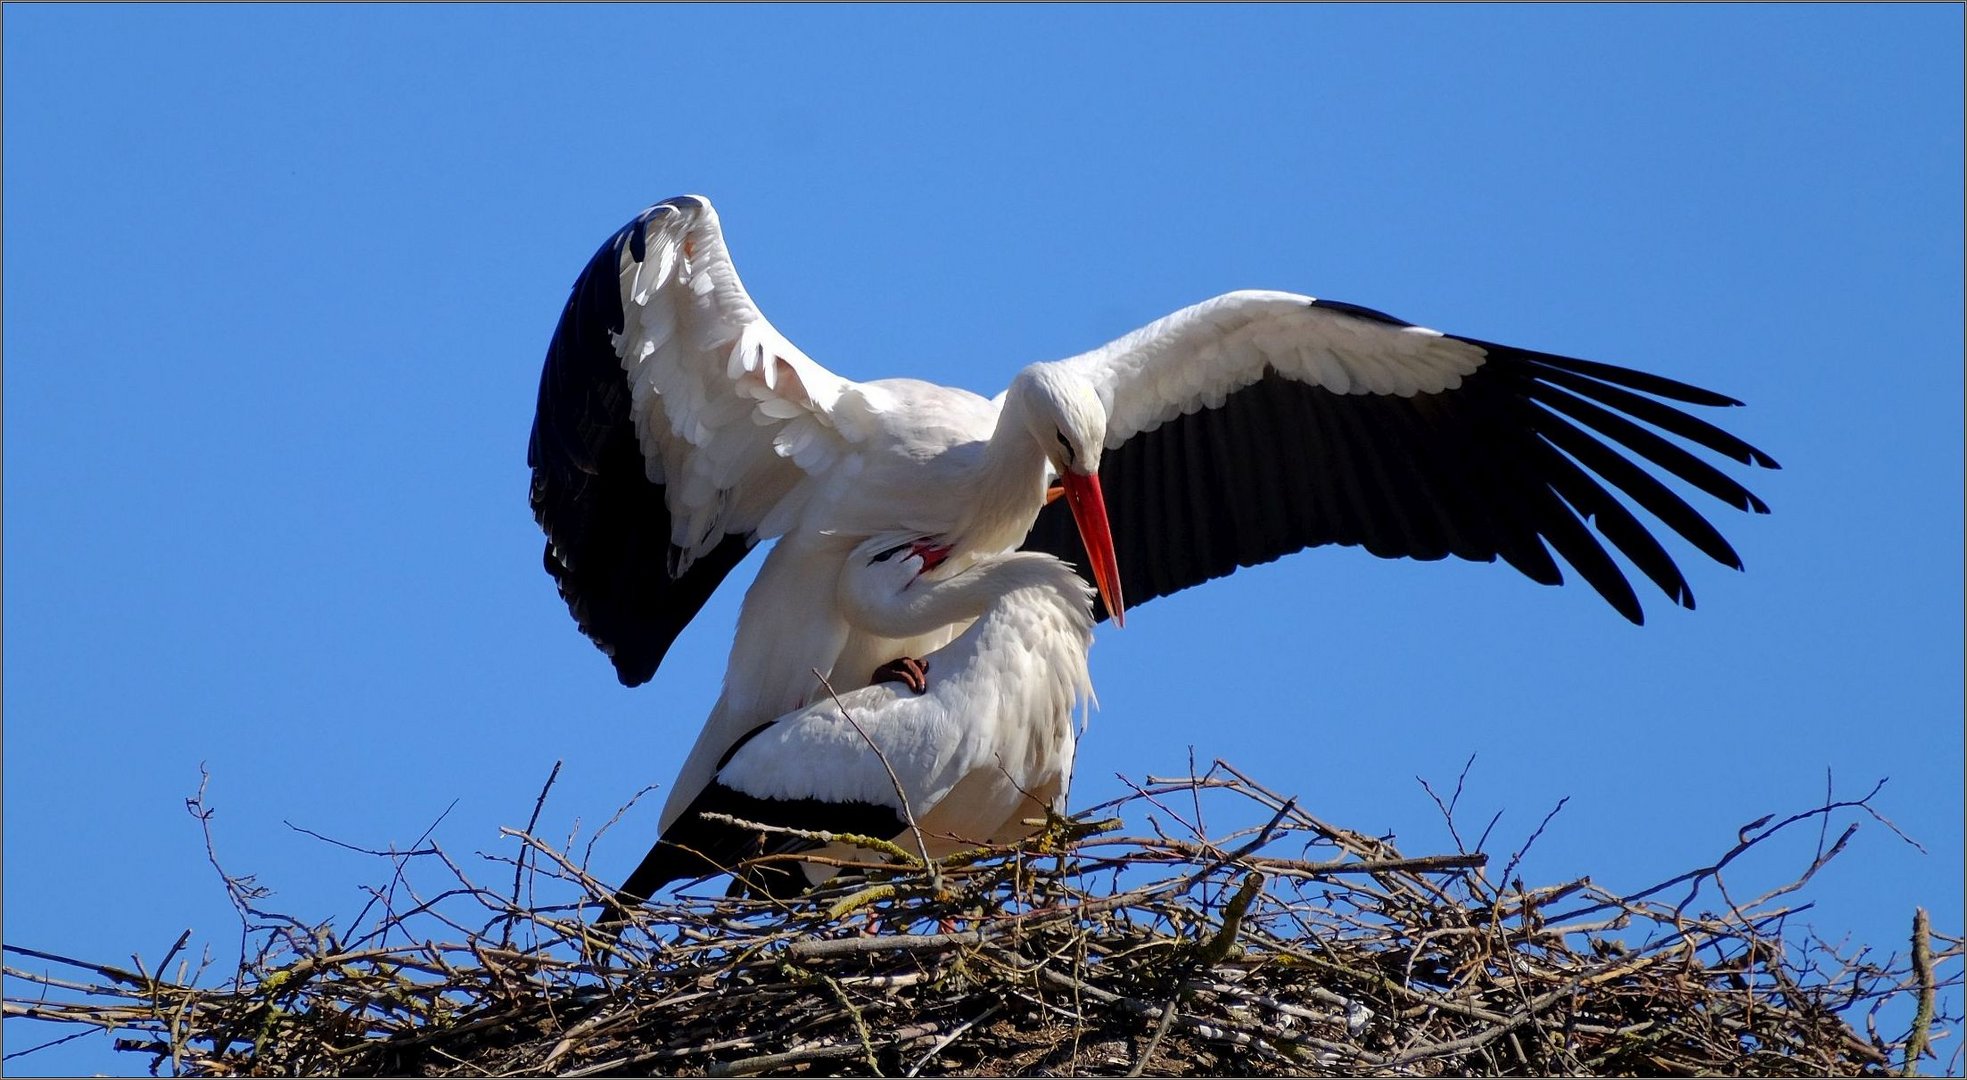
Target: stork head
[1065, 414]
[897, 559]
[875, 587]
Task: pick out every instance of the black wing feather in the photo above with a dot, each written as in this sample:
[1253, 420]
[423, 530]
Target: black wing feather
[1643, 487]
[607, 526]
[1511, 464]
[1653, 448]
[1614, 522]
[695, 846]
[1665, 417]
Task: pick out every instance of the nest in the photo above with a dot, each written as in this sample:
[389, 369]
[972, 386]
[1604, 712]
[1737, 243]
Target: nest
[1286, 946]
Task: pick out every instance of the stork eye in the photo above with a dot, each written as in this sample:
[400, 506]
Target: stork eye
[884, 556]
[1069, 455]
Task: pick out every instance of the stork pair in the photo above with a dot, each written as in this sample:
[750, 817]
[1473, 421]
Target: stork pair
[676, 429]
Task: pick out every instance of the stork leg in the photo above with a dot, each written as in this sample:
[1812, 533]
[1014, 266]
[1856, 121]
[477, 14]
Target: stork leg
[907, 670]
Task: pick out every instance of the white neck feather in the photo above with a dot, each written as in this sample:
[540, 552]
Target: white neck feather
[995, 583]
[1010, 485]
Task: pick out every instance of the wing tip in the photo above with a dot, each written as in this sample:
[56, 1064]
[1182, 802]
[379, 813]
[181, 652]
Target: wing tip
[636, 233]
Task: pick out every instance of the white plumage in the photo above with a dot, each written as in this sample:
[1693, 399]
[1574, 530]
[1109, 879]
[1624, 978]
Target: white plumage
[677, 428]
[989, 744]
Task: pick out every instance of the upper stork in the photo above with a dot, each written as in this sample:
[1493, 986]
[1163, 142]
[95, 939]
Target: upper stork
[676, 429]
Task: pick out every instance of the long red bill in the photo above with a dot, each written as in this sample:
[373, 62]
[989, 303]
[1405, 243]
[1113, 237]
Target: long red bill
[1088, 506]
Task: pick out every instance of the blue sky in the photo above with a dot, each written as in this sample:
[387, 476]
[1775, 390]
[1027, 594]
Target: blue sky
[278, 283]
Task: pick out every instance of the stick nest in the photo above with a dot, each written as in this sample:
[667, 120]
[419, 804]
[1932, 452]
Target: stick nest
[1285, 946]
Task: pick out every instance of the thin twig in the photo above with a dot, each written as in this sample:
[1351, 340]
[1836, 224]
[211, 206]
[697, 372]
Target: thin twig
[908, 812]
[519, 864]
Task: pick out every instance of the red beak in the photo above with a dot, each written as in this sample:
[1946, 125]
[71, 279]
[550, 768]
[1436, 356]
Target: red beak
[931, 555]
[1082, 494]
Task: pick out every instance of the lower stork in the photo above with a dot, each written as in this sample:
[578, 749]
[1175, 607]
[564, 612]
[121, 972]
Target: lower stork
[987, 745]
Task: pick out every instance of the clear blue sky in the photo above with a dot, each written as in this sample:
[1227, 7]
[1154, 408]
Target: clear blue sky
[278, 283]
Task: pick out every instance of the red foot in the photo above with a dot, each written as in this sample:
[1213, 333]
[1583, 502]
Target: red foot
[907, 670]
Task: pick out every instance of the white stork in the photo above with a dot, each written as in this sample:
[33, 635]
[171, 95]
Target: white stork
[987, 746]
[676, 429]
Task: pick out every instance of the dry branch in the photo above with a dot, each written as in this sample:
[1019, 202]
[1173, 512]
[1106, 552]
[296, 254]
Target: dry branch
[1076, 953]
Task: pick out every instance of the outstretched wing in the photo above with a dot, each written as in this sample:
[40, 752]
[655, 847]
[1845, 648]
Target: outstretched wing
[673, 430]
[1257, 424]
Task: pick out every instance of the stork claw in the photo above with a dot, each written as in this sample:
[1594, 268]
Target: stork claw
[906, 670]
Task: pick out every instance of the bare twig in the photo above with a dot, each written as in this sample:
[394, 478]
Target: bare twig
[519, 864]
[908, 812]
[1922, 970]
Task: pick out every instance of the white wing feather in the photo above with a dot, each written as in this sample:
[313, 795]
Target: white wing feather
[731, 417]
[1198, 356]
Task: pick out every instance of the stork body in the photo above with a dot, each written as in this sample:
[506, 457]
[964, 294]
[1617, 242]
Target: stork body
[987, 746]
[676, 429]
[955, 466]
